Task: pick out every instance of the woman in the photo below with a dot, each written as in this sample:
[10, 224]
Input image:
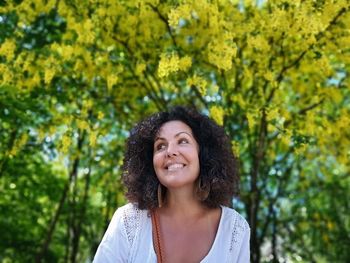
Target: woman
[180, 175]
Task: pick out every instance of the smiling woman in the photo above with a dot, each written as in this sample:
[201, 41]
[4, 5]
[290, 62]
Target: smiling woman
[181, 176]
[175, 156]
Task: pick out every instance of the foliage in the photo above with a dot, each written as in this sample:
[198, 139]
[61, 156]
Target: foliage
[76, 75]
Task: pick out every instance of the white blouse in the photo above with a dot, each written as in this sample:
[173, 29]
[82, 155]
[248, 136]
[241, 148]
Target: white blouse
[129, 238]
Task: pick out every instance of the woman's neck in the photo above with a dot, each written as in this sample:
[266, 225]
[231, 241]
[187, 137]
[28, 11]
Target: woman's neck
[182, 204]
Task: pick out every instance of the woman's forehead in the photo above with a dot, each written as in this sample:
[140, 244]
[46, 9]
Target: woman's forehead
[174, 128]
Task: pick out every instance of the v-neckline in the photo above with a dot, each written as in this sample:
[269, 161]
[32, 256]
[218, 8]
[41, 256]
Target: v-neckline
[212, 246]
[218, 231]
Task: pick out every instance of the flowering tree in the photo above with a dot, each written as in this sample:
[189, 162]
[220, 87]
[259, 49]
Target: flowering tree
[75, 76]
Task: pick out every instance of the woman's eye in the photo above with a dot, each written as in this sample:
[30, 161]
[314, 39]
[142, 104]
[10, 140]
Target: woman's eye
[183, 141]
[160, 146]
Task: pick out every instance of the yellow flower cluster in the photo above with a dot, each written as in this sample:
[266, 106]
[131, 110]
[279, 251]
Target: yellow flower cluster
[7, 49]
[217, 114]
[285, 137]
[93, 138]
[82, 124]
[272, 114]
[6, 74]
[85, 31]
[65, 51]
[258, 42]
[183, 11]
[235, 148]
[168, 64]
[185, 63]
[48, 75]
[66, 142]
[238, 98]
[221, 53]
[172, 63]
[140, 68]
[111, 80]
[252, 117]
[22, 140]
[198, 82]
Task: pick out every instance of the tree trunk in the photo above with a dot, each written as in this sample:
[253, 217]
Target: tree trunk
[254, 201]
[78, 219]
[55, 218]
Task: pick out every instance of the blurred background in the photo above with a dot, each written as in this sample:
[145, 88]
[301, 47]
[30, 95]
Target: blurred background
[75, 76]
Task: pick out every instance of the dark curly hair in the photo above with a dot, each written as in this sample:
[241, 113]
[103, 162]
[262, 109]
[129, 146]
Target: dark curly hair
[218, 165]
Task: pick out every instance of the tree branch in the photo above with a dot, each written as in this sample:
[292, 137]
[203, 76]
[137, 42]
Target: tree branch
[155, 9]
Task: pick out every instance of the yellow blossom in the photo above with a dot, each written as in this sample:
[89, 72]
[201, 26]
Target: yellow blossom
[251, 117]
[41, 135]
[330, 225]
[67, 52]
[235, 148]
[285, 137]
[271, 128]
[93, 138]
[22, 140]
[221, 53]
[173, 18]
[28, 63]
[217, 114]
[198, 82]
[52, 130]
[66, 142]
[100, 115]
[140, 68]
[272, 114]
[300, 149]
[85, 31]
[82, 124]
[323, 64]
[183, 11]
[88, 103]
[168, 64]
[62, 8]
[238, 98]
[185, 62]
[111, 80]
[48, 75]
[268, 76]
[7, 49]
[36, 79]
[7, 74]
[258, 42]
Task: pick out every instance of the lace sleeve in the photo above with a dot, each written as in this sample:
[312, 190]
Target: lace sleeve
[117, 242]
[240, 238]
[131, 219]
[239, 227]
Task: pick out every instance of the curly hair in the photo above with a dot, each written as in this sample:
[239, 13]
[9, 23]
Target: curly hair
[218, 165]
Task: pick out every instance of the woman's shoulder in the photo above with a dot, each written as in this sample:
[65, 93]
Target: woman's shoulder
[233, 216]
[236, 225]
[130, 211]
[130, 208]
[130, 216]
[235, 233]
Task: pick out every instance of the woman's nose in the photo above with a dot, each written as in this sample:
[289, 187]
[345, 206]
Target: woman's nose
[172, 150]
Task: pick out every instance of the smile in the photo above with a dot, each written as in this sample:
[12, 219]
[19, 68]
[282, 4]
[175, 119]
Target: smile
[175, 167]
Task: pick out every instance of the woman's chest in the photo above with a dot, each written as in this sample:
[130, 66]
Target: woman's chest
[187, 243]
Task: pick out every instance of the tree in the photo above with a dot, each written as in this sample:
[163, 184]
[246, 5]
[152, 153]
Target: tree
[273, 73]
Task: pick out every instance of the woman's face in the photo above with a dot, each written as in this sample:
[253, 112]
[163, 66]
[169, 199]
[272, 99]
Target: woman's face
[175, 155]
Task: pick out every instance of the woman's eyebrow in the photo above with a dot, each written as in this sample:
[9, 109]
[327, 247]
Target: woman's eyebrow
[159, 138]
[176, 135]
[179, 133]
